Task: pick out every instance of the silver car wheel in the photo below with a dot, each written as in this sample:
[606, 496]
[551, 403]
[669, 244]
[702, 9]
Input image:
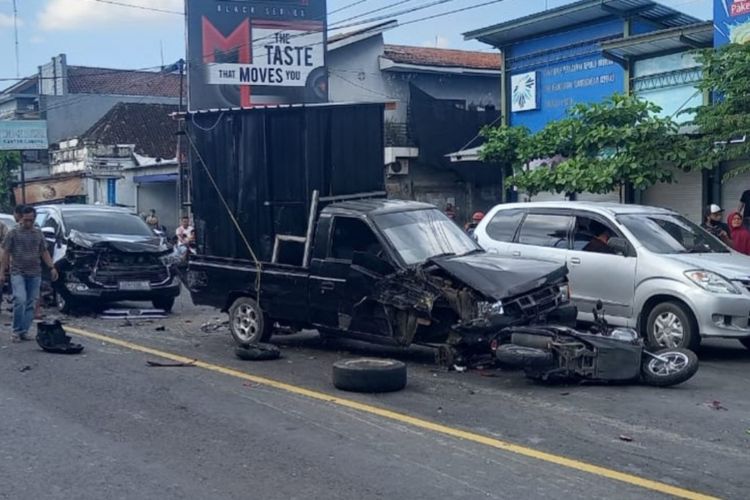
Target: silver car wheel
[669, 330]
[246, 323]
[670, 362]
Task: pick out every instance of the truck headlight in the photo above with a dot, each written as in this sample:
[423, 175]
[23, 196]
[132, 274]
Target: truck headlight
[711, 282]
[488, 309]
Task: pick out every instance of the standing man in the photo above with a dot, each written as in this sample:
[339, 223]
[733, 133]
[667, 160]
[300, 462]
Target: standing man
[713, 224]
[185, 233]
[24, 250]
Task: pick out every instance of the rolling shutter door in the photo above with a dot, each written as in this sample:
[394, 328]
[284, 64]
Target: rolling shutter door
[684, 195]
[731, 191]
[547, 196]
[613, 197]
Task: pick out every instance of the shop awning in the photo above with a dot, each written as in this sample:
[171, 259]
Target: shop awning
[155, 178]
[695, 36]
[50, 189]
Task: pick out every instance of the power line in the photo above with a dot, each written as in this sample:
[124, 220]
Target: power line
[140, 7]
[380, 9]
[347, 6]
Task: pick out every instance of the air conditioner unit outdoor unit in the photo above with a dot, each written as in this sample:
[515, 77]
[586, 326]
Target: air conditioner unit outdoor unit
[399, 167]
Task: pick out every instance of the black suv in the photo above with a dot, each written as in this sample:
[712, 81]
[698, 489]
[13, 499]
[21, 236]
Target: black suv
[106, 254]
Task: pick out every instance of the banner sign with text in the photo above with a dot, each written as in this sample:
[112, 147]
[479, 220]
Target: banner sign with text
[243, 53]
[731, 21]
[23, 134]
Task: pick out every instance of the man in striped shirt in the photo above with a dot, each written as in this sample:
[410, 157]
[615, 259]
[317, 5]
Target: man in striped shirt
[24, 250]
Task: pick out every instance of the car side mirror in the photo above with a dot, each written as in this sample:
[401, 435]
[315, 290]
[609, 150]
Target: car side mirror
[619, 245]
[49, 234]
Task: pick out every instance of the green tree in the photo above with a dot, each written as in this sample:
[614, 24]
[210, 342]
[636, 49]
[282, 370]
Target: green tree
[604, 146]
[722, 123]
[9, 161]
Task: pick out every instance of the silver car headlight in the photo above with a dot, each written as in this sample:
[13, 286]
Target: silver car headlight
[565, 293]
[711, 282]
[489, 309]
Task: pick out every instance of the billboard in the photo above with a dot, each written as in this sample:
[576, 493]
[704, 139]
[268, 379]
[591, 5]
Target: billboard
[23, 134]
[731, 21]
[244, 53]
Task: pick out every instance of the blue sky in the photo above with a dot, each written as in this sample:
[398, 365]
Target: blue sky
[93, 33]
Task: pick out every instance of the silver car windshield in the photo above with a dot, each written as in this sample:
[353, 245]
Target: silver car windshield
[671, 234]
[420, 235]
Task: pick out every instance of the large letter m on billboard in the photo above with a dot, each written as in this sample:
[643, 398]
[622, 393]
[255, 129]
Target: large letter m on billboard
[235, 48]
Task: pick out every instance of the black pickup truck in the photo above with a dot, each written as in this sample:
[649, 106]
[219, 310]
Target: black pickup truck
[384, 271]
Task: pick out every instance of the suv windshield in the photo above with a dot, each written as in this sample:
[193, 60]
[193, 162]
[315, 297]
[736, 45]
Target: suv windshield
[668, 234]
[422, 234]
[101, 222]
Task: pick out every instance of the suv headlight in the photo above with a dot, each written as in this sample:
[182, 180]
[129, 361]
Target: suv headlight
[711, 282]
[489, 309]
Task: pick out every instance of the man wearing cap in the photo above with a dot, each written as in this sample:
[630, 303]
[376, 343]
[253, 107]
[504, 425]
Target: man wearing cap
[713, 224]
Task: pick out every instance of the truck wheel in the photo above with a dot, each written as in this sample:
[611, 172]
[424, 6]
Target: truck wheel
[746, 342]
[248, 323]
[165, 303]
[369, 375]
[670, 325]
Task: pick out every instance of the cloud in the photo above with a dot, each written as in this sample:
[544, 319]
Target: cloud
[81, 14]
[36, 39]
[6, 21]
[439, 42]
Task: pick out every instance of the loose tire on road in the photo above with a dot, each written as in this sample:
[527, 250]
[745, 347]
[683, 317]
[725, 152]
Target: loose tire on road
[517, 356]
[258, 352]
[369, 375]
[248, 323]
[671, 325]
[683, 364]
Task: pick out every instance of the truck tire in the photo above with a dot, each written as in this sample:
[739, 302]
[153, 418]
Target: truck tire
[516, 356]
[248, 323]
[369, 375]
[746, 342]
[672, 325]
[258, 352]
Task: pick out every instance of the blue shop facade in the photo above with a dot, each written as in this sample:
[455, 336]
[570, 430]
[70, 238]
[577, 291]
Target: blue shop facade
[588, 50]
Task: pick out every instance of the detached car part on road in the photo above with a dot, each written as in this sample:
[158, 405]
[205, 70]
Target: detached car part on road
[384, 271]
[106, 254]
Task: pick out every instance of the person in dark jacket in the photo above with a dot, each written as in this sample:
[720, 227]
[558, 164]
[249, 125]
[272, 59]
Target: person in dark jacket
[744, 208]
[599, 243]
[740, 234]
[713, 224]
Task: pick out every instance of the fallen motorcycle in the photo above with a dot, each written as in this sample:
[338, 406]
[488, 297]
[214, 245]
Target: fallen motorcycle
[606, 354]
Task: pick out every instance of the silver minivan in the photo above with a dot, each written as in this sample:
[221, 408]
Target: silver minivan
[653, 269]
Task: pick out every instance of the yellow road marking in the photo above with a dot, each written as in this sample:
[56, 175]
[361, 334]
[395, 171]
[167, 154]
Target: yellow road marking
[413, 421]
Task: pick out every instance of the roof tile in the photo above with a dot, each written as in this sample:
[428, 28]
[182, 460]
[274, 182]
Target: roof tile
[86, 80]
[448, 58]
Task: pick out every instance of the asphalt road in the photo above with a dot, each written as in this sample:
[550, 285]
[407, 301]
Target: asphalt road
[106, 425]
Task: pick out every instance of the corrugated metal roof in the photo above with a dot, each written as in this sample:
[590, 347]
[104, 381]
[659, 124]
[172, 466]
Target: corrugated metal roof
[685, 37]
[584, 11]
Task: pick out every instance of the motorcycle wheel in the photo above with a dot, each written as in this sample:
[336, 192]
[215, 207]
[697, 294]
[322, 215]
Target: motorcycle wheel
[681, 364]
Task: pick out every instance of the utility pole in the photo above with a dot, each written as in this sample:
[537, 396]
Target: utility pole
[182, 184]
[15, 34]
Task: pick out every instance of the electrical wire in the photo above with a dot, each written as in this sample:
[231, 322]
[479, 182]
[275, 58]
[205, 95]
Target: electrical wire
[140, 7]
[347, 6]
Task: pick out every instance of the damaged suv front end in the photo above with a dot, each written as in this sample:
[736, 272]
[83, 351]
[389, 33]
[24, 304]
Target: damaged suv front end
[108, 255]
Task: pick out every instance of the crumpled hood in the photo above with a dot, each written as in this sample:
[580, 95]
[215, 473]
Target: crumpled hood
[733, 266]
[121, 243]
[499, 277]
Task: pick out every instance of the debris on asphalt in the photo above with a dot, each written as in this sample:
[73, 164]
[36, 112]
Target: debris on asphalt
[716, 405]
[625, 438]
[213, 326]
[134, 314]
[161, 328]
[25, 369]
[486, 373]
[159, 364]
[459, 369]
[564, 394]
[258, 352]
[51, 337]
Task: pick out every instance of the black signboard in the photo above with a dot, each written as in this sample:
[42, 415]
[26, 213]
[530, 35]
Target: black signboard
[244, 53]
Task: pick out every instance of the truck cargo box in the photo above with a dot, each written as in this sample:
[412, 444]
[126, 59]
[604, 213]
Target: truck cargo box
[267, 162]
